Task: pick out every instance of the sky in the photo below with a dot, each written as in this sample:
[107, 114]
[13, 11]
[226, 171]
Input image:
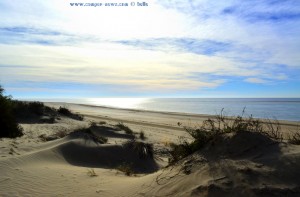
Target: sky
[170, 48]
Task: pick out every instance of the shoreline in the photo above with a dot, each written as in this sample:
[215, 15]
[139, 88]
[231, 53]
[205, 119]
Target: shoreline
[92, 110]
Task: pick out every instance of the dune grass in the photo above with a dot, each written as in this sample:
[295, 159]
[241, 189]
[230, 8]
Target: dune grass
[142, 135]
[102, 122]
[93, 124]
[125, 128]
[90, 135]
[214, 128]
[126, 168]
[144, 150]
[91, 172]
[295, 137]
[66, 112]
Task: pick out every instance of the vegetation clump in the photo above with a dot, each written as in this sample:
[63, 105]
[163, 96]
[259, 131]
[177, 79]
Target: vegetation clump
[126, 169]
[142, 135]
[215, 128]
[91, 173]
[93, 124]
[102, 122]
[66, 112]
[22, 108]
[90, 135]
[295, 138]
[144, 150]
[125, 128]
[8, 124]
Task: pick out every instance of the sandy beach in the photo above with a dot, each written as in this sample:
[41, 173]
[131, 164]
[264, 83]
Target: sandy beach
[73, 165]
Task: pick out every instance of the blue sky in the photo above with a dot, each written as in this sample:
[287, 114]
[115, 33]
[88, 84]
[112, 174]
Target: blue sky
[172, 48]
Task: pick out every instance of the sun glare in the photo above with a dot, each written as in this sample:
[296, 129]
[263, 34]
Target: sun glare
[117, 102]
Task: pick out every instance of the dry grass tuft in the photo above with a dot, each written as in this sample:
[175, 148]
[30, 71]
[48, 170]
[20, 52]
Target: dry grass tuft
[214, 128]
[144, 150]
[91, 173]
[126, 169]
[125, 128]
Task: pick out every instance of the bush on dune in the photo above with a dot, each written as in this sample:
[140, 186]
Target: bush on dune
[295, 137]
[142, 135]
[213, 129]
[23, 109]
[87, 132]
[144, 150]
[66, 112]
[8, 125]
[125, 128]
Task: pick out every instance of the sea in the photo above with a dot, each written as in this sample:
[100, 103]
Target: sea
[270, 108]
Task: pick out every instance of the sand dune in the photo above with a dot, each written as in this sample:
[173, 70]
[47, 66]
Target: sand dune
[240, 165]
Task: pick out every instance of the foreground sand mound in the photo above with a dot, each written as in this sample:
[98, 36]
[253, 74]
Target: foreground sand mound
[246, 164]
[86, 153]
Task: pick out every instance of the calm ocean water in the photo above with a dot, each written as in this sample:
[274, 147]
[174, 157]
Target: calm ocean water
[279, 108]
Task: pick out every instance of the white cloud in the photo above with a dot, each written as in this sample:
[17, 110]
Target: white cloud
[256, 80]
[85, 51]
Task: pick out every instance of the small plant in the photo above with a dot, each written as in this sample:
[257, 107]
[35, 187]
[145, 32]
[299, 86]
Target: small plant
[125, 128]
[126, 169]
[52, 119]
[144, 150]
[90, 135]
[43, 137]
[61, 134]
[91, 173]
[142, 135]
[179, 151]
[102, 122]
[93, 124]
[102, 140]
[295, 139]
[66, 112]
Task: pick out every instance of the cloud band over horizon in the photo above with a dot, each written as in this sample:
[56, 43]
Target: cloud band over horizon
[168, 49]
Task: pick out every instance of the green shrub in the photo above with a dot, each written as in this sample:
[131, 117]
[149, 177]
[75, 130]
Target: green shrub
[24, 109]
[179, 151]
[214, 128]
[36, 107]
[8, 125]
[66, 112]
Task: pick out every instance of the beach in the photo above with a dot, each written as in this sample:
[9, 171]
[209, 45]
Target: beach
[74, 165]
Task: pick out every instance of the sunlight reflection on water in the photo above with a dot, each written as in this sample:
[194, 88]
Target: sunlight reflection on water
[118, 102]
